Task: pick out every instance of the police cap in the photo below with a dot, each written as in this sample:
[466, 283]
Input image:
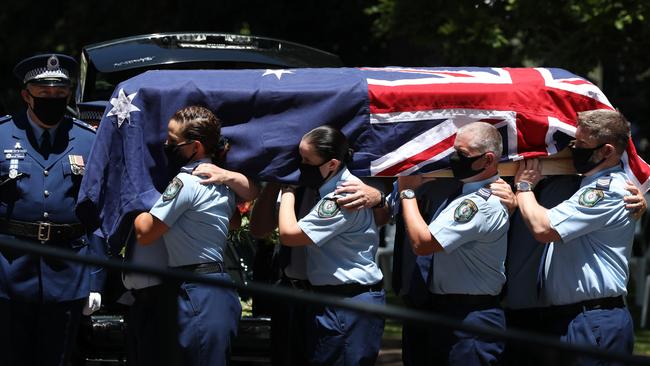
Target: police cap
[50, 69]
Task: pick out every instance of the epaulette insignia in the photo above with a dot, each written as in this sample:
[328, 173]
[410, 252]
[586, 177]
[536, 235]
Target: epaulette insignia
[328, 207]
[484, 193]
[465, 211]
[590, 197]
[172, 189]
[603, 183]
[5, 118]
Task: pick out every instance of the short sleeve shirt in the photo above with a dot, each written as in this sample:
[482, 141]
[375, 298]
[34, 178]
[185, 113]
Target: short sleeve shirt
[597, 232]
[345, 241]
[198, 217]
[472, 231]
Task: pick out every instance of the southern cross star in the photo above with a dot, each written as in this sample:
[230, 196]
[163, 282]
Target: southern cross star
[122, 107]
[277, 73]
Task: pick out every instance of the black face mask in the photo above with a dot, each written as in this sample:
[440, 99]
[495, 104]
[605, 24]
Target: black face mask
[175, 160]
[461, 165]
[50, 111]
[582, 158]
[310, 176]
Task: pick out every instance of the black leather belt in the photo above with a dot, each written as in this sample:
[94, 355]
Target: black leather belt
[469, 300]
[594, 304]
[349, 289]
[42, 231]
[204, 268]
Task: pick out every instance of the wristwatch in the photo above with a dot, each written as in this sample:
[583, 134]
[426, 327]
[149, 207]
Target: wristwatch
[523, 186]
[406, 194]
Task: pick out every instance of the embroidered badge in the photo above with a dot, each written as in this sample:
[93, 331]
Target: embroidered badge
[328, 208]
[590, 197]
[172, 189]
[14, 156]
[465, 211]
[77, 164]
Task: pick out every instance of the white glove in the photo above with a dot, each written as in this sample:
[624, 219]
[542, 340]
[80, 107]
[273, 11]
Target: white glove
[93, 304]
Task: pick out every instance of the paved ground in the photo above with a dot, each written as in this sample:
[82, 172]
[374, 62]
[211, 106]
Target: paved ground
[390, 353]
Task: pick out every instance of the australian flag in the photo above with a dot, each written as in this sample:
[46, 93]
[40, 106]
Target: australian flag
[399, 121]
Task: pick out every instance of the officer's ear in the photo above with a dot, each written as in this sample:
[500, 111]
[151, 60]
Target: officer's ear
[25, 95]
[607, 151]
[490, 158]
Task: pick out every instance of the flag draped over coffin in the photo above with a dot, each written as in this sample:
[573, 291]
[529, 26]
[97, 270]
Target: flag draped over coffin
[399, 121]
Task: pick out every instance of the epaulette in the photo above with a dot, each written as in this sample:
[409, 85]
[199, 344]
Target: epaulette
[603, 183]
[484, 193]
[6, 118]
[84, 125]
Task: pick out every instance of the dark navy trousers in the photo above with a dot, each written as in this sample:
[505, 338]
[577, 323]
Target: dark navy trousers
[342, 337]
[208, 317]
[607, 329]
[455, 347]
[39, 333]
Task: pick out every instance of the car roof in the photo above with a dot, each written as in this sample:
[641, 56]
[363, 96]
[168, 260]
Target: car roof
[147, 51]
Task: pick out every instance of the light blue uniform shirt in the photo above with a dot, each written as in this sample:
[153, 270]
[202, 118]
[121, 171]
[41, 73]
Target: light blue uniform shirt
[198, 217]
[591, 261]
[473, 260]
[345, 241]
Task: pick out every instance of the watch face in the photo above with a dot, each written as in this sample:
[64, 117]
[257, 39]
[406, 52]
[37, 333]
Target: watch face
[407, 193]
[523, 186]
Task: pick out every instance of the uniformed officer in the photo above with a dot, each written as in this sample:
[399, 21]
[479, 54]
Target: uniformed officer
[44, 154]
[289, 321]
[193, 220]
[584, 269]
[341, 247]
[468, 239]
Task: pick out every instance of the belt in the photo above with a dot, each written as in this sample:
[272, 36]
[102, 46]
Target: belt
[42, 231]
[348, 289]
[594, 304]
[204, 268]
[469, 300]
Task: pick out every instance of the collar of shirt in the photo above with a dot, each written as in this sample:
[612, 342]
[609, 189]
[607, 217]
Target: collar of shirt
[38, 130]
[475, 186]
[330, 185]
[189, 167]
[592, 178]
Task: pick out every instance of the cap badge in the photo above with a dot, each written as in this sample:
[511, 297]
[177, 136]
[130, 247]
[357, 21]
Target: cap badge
[53, 63]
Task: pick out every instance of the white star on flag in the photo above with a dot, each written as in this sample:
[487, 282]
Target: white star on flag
[122, 107]
[277, 73]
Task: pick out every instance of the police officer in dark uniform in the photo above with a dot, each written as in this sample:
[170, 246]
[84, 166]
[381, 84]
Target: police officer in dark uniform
[44, 154]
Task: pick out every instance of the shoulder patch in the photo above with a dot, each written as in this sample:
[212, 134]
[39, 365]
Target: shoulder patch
[603, 183]
[465, 211]
[172, 189]
[484, 193]
[590, 197]
[5, 118]
[84, 125]
[328, 208]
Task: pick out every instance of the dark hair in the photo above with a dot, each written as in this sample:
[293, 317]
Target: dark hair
[329, 143]
[200, 124]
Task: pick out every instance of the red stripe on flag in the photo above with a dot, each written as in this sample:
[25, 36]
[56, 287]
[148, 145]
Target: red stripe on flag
[418, 158]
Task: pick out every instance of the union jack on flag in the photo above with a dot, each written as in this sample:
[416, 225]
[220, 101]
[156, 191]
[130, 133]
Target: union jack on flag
[534, 108]
[399, 120]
